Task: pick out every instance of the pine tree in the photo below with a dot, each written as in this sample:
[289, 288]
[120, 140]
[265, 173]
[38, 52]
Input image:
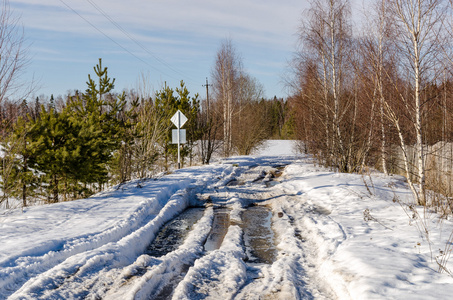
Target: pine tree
[97, 113]
[122, 166]
[51, 142]
[25, 179]
[74, 147]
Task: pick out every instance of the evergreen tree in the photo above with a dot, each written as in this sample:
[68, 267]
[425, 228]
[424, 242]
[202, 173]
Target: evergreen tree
[25, 178]
[93, 137]
[101, 126]
[52, 102]
[51, 139]
[17, 179]
[74, 147]
[122, 165]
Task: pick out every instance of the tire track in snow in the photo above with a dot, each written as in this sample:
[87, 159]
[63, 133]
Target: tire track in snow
[65, 272]
[63, 280]
[79, 275]
[217, 275]
[150, 276]
[165, 271]
[284, 278]
[311, 244]
[223, 273]
[114, 271]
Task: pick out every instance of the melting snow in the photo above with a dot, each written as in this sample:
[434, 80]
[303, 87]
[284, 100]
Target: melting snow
[337, 236]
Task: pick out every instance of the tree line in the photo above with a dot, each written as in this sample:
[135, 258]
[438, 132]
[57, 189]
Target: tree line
[70, 147]
[378, 95]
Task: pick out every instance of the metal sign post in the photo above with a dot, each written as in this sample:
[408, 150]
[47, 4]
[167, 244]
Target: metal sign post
[179, 119]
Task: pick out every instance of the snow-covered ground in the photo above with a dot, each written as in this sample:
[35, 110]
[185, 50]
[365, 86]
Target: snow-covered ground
[328, 236]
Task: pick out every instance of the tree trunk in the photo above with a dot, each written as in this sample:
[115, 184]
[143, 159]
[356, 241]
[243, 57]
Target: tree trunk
[55, 188]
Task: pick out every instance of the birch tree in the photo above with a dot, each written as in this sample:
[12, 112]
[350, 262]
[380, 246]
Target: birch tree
[226, 73]
[418, 31]
[378, 52]
[13, 53]
[326, 34]
[210, 124]
[251, 123]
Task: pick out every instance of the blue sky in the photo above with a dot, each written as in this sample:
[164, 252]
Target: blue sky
[172, 40]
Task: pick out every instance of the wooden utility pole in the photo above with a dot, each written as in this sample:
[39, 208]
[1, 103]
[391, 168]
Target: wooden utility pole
[207, 85]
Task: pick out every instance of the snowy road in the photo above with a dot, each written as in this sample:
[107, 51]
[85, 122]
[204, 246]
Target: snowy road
[248, 228]
[247, 245]
[240, 242]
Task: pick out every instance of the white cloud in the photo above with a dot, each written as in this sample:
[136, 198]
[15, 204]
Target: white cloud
[257, 21]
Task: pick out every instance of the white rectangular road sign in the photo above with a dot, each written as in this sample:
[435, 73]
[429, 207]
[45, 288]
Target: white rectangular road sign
[179, 119]
[182, 136]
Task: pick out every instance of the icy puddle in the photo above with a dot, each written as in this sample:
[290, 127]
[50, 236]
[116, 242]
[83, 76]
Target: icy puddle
[172, 235]
[219, 229]
[258, 235]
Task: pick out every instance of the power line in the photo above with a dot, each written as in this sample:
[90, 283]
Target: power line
[99, 9]
[118, 44]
